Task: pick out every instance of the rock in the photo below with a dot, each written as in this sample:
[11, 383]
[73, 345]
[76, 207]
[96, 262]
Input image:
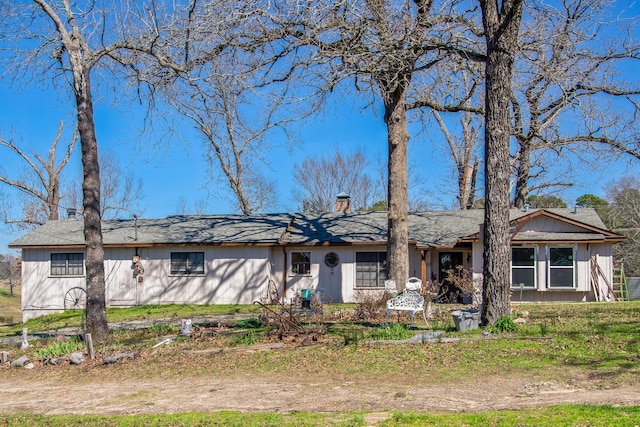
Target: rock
[424, 337]
[28, 366]
[4, 357]
[20, 362]
[76, 358]
[117, 358]
[52, 361]
[519, 320]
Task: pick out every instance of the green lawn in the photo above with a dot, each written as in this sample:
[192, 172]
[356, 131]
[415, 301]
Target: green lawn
[553, 416]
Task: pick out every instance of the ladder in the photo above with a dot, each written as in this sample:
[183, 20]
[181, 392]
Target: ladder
[620, 281]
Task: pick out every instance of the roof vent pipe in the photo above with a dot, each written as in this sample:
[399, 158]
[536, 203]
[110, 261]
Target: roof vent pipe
[526, 207]
[576, 209]
[71, 213]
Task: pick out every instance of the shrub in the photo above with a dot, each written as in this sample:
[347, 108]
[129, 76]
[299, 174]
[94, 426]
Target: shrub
[503, 324]
[371, 305]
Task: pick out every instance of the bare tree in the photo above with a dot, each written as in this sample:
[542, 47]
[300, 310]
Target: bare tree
[121, 190]
[69, 42]
[121, 193]
[570, 99]
[388, 49]
[321, 179]
[236, 121]
[501, 24]
[623, 216]
[41, 182]
[463, 150]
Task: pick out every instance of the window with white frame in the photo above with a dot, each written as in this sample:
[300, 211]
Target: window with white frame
[561, 270]
[67, 264]
[300, 262]
[187, 263]
[523, 267]
[371, 269]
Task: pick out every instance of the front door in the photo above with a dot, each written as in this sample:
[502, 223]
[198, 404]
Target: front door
[447, 262]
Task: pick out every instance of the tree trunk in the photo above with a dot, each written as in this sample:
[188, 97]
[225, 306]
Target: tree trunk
[398, 230]
[501, 29]
[54, 194]
[472, 189]
[523, 169]
[97, 324]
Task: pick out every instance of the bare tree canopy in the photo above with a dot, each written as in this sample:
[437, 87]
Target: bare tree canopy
[122, 192]
[464, 151]
[236, 121]
[571, 99]
[320, 179]
[40, 184]
[623, 216]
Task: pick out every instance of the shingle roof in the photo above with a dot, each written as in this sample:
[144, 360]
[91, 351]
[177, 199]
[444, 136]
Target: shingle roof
[433, 228]
[197, 229]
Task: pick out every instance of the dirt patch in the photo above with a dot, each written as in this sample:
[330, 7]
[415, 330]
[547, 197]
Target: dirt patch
[134, 387]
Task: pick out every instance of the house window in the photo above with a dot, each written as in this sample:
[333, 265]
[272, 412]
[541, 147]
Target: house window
[68, 264]
[187, 263]
[371, 269]
[523, 267]
[561, 267]
[300, 262]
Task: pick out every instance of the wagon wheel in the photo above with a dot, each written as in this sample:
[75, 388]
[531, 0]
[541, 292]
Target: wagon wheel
[75, 298]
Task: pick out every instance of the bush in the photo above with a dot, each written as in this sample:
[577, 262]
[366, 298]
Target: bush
[371, 306]
[503, 324]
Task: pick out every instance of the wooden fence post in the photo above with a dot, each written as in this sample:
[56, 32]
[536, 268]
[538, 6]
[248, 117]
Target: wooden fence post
[89, 344]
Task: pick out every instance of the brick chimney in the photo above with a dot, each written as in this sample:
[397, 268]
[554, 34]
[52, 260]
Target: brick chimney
[343, 203]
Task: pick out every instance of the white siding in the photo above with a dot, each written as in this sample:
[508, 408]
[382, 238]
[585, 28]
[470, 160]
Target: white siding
[42, 293]
[550, 225]
[233, 275]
